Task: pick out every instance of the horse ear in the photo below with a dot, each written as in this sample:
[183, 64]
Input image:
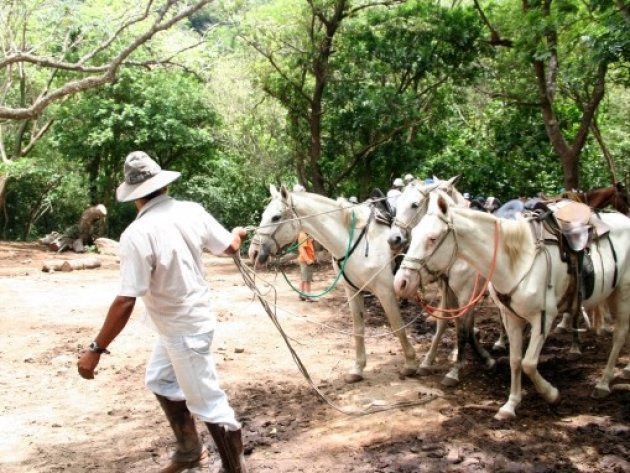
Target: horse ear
[442, 205]
[454, 180]
[273, 191]
[284, 193]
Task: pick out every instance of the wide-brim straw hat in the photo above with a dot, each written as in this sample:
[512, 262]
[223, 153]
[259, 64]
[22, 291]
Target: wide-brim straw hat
[143, 176]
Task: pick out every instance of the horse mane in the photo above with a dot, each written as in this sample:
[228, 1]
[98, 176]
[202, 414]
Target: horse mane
[345, 208]
[514, 236]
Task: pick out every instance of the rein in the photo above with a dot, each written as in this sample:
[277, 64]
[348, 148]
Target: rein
[344, 260]
[251, 283]
[459, 311]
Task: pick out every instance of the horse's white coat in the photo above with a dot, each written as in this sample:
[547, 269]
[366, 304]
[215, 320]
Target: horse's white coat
[524, 276]
[328, 222]
[410, 207]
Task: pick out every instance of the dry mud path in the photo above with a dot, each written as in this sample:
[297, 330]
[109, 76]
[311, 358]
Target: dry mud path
[51, 420]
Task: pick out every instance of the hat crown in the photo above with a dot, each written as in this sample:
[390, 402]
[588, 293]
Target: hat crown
[139, 167]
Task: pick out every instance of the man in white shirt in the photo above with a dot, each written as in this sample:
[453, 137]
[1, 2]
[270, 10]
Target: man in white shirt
[160, 261]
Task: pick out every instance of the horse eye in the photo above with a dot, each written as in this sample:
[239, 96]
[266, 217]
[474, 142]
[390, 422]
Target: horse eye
[275, 218]
[415, 205]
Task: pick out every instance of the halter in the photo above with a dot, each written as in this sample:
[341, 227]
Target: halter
[416, 264]
[257, 238]
[421, 210]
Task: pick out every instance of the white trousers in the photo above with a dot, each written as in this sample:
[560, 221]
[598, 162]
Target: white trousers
[181, 368]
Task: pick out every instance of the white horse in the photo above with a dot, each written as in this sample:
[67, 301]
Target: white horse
[456, 287]
[367, 266]
[528, 278]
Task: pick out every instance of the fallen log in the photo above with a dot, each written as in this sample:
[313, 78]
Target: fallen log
[70, 265]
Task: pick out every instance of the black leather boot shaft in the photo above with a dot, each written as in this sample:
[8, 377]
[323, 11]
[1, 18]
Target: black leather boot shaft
[183, 425]
[230, 446]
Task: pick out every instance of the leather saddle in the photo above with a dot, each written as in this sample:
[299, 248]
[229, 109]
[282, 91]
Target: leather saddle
[572, 221]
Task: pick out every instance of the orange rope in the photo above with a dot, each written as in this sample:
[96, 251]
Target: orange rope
[461, 311]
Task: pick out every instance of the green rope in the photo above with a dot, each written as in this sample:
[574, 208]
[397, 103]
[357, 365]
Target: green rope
[339, 274]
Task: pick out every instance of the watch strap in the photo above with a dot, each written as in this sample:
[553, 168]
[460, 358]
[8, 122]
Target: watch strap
[95, 348]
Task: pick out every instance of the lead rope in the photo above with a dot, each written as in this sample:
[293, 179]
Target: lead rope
[461, 311]
[341, 267]
[251, 283]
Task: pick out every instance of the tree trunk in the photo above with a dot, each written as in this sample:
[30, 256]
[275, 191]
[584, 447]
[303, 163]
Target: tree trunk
[70, 265]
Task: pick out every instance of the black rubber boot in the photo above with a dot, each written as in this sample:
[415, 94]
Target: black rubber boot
[230, 446]
[188, 453]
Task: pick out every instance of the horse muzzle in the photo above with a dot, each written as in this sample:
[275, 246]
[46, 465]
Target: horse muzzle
[396, 241]
[258, 253]
[406, 283]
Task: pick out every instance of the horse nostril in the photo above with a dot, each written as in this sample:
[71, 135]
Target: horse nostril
[403, 284]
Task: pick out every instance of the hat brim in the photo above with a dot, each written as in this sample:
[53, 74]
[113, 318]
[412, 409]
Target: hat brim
[128, 192]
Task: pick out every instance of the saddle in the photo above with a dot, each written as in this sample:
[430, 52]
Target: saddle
[573, 226]
[570, 222]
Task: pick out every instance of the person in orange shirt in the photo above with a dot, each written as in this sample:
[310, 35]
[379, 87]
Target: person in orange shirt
[306, 258]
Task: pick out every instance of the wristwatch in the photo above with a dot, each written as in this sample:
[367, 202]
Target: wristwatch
[95, 348]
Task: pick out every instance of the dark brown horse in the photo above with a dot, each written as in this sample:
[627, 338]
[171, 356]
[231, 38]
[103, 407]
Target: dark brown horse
[614, 196]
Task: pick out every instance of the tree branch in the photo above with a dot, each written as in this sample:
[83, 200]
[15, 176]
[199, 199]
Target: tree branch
[495, 38]
[110, 70]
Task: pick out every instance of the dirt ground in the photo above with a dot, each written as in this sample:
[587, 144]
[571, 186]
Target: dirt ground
[51, 420]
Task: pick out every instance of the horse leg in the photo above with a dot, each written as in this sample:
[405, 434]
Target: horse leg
[620, 306]
[392, 311]
[426, 367]
[514, 327]
[501, 342]
[481, 353]
[357, 308]
[452, 377]
[565, 323]
[530, 362]
[575, 335]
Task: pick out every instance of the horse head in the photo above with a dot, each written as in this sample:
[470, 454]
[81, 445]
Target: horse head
[278, 227]
[410, 207]
[430, 250]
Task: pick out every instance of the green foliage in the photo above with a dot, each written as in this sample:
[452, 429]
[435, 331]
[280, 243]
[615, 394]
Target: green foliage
[163, 113]
[227, 190]
[46, 192]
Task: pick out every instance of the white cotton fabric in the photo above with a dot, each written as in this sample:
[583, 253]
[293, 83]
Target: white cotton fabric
[181, 368]
[160, 261]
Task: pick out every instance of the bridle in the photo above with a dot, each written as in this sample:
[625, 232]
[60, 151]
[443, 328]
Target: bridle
[421, 210]
[419, 264]
[291, 218]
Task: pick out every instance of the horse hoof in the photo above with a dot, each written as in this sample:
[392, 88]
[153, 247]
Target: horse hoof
[497, 348]
[600, 393]
[408, 372]
[425, 371]
[503, 415]
[352, 378]
[449, 382]
[560, 329]
[490, 364]
[555, 398]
